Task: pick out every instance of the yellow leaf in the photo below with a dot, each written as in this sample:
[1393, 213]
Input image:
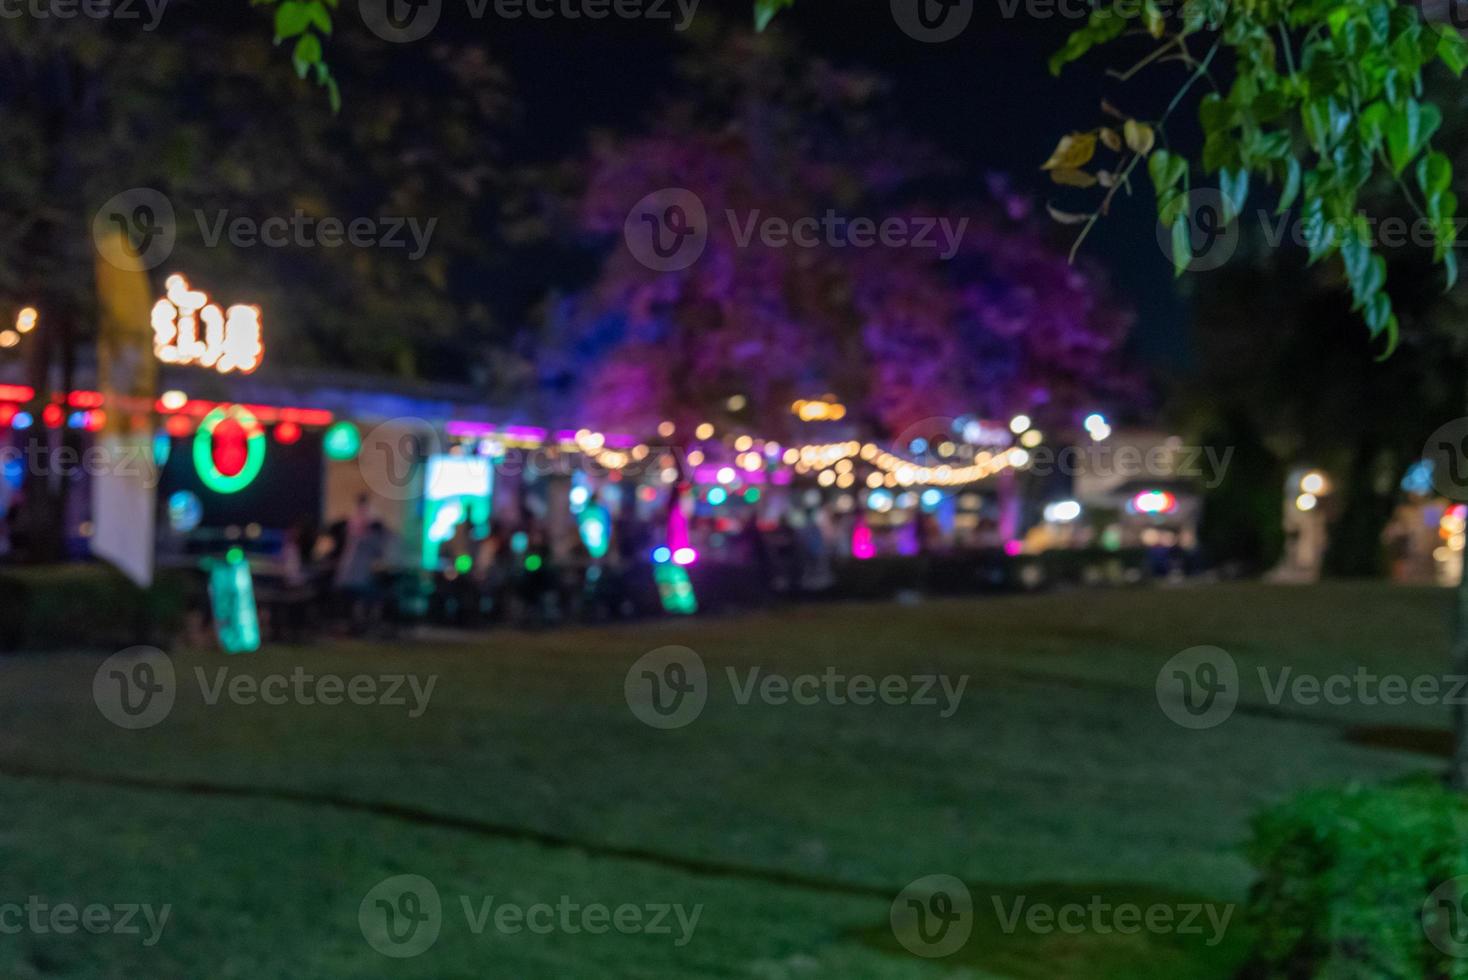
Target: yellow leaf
[1072, 177]
[1139, 137]
[1110, 138]
[1073, 152]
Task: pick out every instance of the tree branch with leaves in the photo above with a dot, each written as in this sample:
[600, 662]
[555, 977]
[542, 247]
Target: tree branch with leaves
[309, 23]
[1326, 97]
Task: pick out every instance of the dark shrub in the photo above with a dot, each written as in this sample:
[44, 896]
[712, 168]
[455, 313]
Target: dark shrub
[1350, 884]
[87, 605]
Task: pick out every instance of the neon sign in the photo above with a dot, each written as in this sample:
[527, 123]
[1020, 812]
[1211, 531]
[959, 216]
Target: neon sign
[230, 339]
[229, 449]
[232, 596]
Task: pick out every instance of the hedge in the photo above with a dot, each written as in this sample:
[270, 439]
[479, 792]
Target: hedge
[1358, 882]
[87, 605]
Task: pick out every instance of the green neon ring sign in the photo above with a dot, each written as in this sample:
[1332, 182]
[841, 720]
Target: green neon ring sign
[204, 450]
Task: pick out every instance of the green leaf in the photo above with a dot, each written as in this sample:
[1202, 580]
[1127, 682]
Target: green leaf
[1365, 271]
[1377, 311]
[1356, 254]
[1153, 18]
[291, 18]
[1233, 187]
[1291, 187]
[1450, 268]
[1326, 121]
[1166, 169]
[1270, 146]
[1378, 19]
[1269, 106]
[1219, 150]
[320, 17]
[1452, 48]
[1353, 164]
[1320, 234]
[1104, 25]
[1373, 279]
[1434, 173]
[1442, 208]
[1393, 334]
[1408, 131]
[1171, 205]
[1372, 124]
[1182, 245]
[307, 53]
[1215, 114]
[765, 11]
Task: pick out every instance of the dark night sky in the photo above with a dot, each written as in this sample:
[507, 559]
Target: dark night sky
[986, 98]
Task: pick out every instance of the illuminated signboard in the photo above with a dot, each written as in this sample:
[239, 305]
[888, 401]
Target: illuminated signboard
[229, 449]
[188, 329]
[457, 488]
[232, 597]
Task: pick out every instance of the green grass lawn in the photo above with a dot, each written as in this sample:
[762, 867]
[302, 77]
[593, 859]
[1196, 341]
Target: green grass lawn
[1056, 781]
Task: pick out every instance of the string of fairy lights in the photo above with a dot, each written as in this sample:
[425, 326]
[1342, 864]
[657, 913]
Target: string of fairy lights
[833, 464]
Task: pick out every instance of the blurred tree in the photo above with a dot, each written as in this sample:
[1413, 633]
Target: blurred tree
[193, 111]
[1281, 389]
[989, 319]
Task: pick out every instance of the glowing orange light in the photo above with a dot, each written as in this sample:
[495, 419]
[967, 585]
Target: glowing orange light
[819, 410]
[179, 425]
[52, 416]
[287, 433]
[26, 319]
